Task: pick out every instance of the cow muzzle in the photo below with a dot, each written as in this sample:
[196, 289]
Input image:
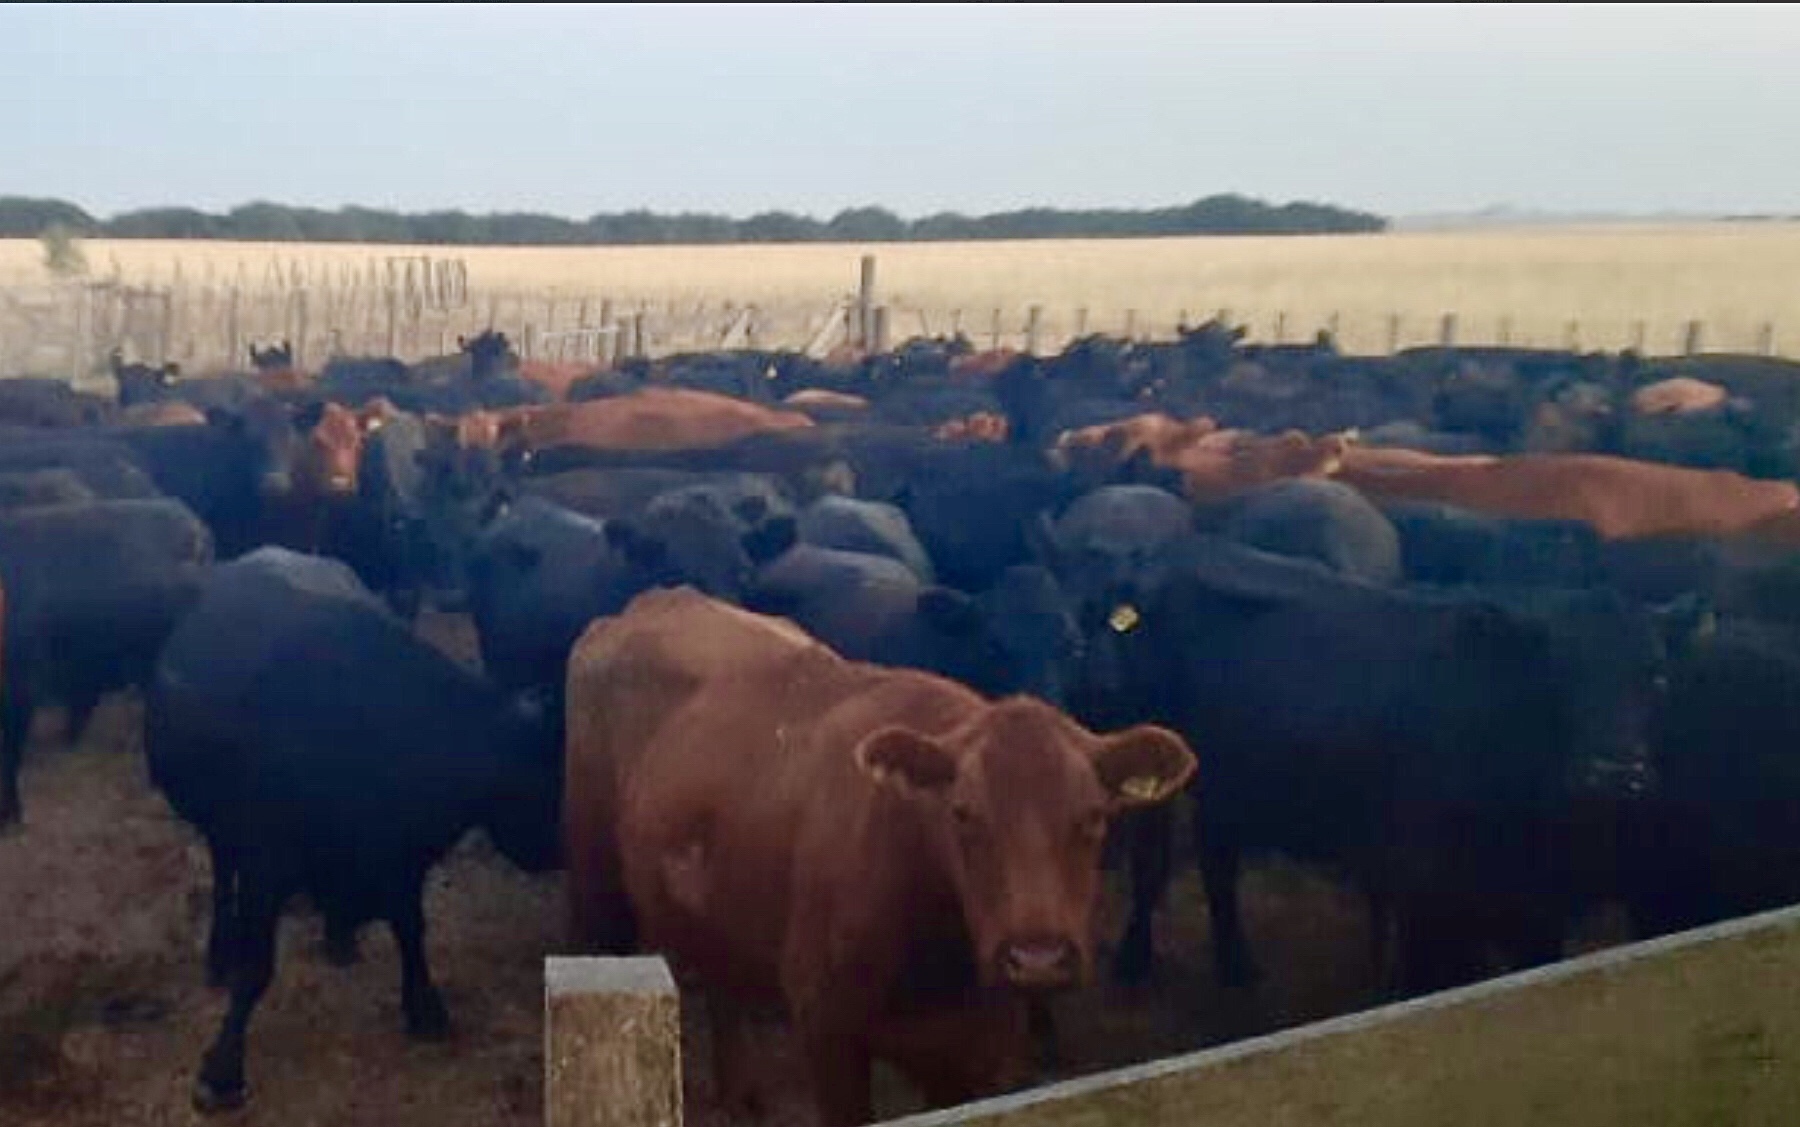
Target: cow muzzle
[1041, 963]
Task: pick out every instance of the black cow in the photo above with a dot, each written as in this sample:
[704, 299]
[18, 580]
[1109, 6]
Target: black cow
[51, 403]
[1015, 637]
[1436, 748]
[319, 746]
[1720, 836]
[26, 489]
[274, 358]
[93, 590]
[142, 383]
[852, 525]
[1315, 519]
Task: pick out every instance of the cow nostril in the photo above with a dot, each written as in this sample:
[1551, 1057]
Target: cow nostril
[1039, 963]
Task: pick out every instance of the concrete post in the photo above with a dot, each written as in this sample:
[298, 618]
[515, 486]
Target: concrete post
[612, 1043]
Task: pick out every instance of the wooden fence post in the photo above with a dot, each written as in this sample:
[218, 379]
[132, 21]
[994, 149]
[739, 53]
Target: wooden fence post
[878, 337]
[1393, 333]
[1505, 331]
[232, 342]
[1280, 326]
[1033, 326]
[994, 342]
[639, 346]
[1692, 339]
[1765, 338]
[302, 315]
[612, 1043]
[865, 304]
[1447, 331]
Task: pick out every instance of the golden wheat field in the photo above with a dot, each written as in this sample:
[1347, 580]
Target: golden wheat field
[1595, 287]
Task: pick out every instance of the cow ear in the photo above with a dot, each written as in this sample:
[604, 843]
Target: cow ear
[949, 612]
[1143, 765]
[770, 539]
[897, 756]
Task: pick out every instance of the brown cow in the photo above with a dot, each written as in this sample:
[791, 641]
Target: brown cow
[333, 447]
[990, 362]
[162, 413]
[820, 397]
[982, 426]
[1214, 464]
[1682, 395]
[1620, 497]
[897, 860]
[654, 418]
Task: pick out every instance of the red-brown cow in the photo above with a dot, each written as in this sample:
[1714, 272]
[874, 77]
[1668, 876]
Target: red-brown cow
[982, 426]
[821, 397]
[897, 860]
[162, 413]
[990, 362]
[655, 418]
[1214, 464]
[1682, 395]
[1620, 497]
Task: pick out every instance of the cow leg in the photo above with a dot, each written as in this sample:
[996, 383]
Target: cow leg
[840, 1066]
[15, 725]
[955, 1056]
[220, 1085]
[426, 1017]
[221, 951]
[732, 1079]
[1220, 860]
[1148, 834]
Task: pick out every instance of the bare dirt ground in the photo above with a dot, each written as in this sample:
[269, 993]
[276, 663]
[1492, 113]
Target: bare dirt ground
[104, 1012]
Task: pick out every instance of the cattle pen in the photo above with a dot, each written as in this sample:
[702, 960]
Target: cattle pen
[1701, 1027]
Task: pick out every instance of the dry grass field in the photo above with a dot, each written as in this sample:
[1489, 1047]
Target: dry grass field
[1611, 287]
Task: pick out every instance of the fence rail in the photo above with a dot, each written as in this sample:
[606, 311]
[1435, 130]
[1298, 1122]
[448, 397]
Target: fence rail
[416, 306]
[1684, 1031]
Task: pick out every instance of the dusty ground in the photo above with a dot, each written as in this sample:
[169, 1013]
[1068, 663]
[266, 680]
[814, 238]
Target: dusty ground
[104, 1013]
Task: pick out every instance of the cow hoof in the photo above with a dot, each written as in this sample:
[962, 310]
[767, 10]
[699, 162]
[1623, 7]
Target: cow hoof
[428, 1020]
[210, 1100]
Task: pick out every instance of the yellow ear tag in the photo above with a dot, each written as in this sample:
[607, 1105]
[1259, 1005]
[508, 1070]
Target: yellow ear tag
[1142, 787]
[1124, 618]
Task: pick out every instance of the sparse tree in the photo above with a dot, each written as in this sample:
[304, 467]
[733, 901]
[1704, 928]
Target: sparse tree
[63, 255]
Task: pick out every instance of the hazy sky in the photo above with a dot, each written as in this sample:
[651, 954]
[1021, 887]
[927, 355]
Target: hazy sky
[975, 108]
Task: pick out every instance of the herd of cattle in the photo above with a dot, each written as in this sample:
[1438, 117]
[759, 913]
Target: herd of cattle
[842, 682]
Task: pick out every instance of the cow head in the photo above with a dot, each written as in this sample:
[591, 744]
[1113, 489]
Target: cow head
[1019, 798]
[490, 354]
[332, 452]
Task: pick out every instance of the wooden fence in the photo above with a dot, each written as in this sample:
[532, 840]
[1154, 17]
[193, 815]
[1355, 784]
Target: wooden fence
[416, 306]
[1690, 1030]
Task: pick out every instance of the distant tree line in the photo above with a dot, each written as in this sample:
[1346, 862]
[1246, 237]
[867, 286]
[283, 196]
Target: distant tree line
[22, 217]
